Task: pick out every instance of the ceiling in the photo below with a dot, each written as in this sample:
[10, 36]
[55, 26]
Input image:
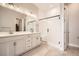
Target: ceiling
[40, 6]
[37, 7]
[46, 6]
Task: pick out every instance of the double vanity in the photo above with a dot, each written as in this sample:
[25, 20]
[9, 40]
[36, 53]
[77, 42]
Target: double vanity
[18, 43]
[13, 42]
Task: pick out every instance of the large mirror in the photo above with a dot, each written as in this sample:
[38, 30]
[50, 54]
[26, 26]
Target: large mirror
[11, 20]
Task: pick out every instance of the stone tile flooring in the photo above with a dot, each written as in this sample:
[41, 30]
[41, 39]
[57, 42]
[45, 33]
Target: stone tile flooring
[45, 50]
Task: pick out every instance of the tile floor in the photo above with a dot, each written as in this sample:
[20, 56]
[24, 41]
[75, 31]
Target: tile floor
[45, 50]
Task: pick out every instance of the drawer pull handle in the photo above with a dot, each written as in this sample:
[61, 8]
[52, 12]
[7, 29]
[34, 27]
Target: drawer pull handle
[14, 44]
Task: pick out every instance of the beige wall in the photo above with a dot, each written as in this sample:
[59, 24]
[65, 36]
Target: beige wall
[74, 24]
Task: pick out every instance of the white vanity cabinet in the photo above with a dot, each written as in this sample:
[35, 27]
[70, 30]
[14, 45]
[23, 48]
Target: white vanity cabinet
[12, 45]
[17, 45]
[7, 48]
[35, 40]
[28, 42]
[11, 48]
[32, 40]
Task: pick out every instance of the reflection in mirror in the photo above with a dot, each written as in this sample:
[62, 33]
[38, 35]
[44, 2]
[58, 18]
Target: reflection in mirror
[18, 24]
[31, 26]
[11, 20]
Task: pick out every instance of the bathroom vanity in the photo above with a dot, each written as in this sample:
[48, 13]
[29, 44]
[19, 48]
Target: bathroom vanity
[13, 42]
[18, 43]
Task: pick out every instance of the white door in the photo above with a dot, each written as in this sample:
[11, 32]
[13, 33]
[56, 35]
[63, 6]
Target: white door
[54, 32]
[7, 49]
[20, 46]
[51, 30]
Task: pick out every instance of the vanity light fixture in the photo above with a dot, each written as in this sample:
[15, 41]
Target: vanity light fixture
[14, 7]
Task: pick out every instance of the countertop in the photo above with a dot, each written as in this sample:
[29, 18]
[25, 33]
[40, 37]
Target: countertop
[7, 34]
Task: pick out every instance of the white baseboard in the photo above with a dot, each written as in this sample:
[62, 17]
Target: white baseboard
[74, 45]
[52, 45]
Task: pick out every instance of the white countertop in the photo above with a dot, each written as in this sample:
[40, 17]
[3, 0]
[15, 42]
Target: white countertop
[7, 34]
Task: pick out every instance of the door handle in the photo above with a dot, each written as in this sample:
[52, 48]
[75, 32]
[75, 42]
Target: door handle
[47, 29]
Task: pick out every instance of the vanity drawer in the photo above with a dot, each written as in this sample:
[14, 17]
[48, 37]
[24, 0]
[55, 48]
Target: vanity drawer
[18, 37]
[10, 38]
[28, 43]
[5, 39]
[28, 46]
[28, 40]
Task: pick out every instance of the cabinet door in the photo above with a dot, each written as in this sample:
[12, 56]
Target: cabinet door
[38, 41]
[11, 49]
[34, 41]
[6, 49]
[19, 46]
